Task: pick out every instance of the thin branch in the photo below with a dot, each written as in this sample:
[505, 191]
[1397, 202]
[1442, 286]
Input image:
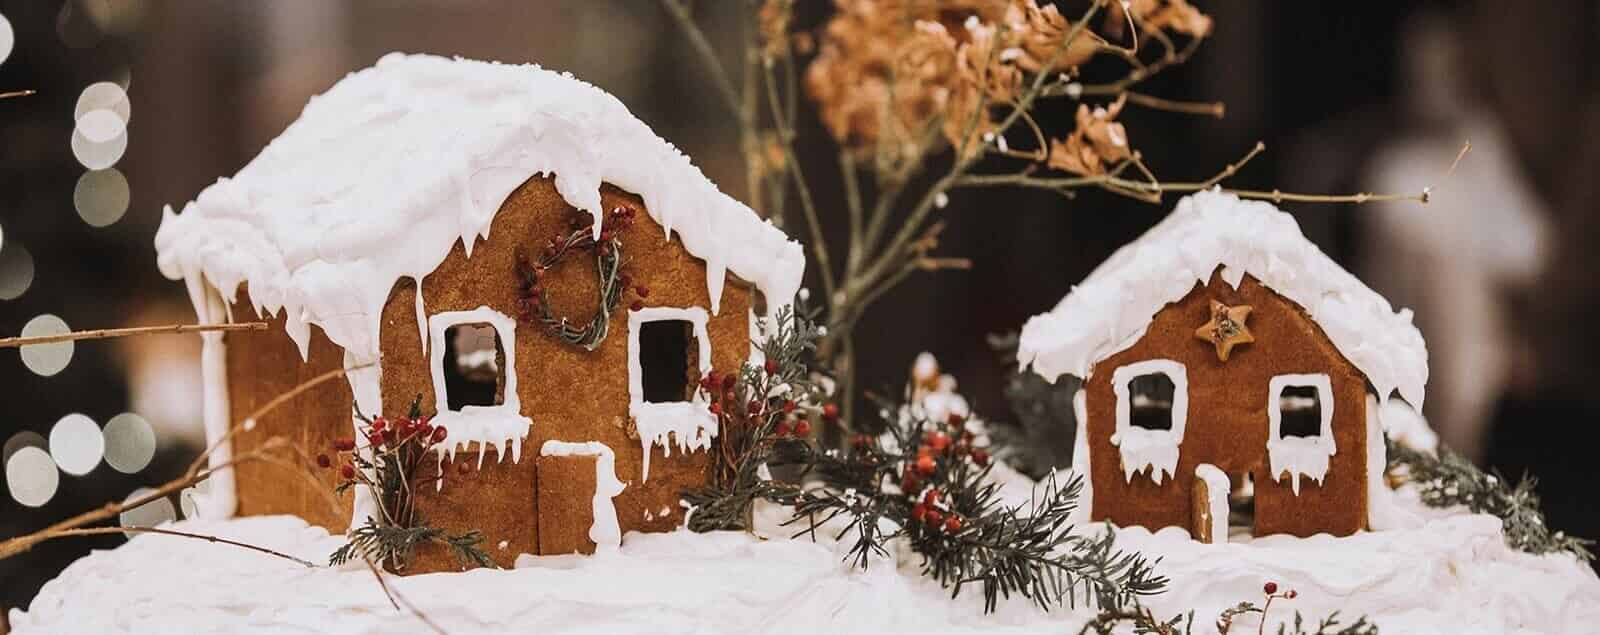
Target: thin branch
[17, 93]
[13, 342]
[993, 180]
[792, 164]
[708, 55]
[97, 531]
[852, 200]
[397, 600]
[1232, 168]
[1203, 108]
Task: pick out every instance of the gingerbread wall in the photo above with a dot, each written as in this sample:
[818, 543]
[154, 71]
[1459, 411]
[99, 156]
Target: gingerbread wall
[570, 394]
[1227, 418]
[261, 366]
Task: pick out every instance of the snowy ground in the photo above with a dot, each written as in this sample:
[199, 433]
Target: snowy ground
[1454, 575]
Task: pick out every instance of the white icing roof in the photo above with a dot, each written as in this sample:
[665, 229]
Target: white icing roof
[1111, 308]
[382, 174]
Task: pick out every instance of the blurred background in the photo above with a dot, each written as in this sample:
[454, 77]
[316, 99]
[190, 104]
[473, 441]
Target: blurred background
[142, 103]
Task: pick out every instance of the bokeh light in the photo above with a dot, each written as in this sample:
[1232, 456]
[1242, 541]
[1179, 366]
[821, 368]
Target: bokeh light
[101, 196]
[103, 96]
[98, 156]
[149, 514]
[24, 439]
[46, 359]
[101, 125]
[8, 38]
[32, 477]
[130, 443]
[16, 270]
[77, 444]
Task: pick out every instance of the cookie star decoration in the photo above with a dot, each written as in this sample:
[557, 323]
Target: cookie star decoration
[1226, 328]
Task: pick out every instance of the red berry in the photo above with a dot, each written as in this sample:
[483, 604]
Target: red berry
[925, 465]
[754, 408]
[323, 460]
[862, 441]
[376, 438]
[347, 472]
[910, 484]
[919, 512]
[1269, 588]
[379, 423]
[1290, 594]
[802, 428]
[952, 524]
[636, 306]
[782, 429]
[344, 445]
[711, 380]
[981, 457]
[830, 411]
[715, 407]
[439, 434]
[624, 281]
[938, 440]
[931, 496]
[728, 381]
[788, 406]
[934, 517]
[954, 420]
[643, 291]
[772, 367]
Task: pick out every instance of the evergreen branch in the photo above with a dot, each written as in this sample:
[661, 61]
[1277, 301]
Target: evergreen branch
[1449, 480]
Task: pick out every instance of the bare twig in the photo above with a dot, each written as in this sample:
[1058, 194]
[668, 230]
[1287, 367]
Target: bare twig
[1233, 168]
[17, 93]
[397, 600]
[97, 531]
[13, 342]
[708, 56]
[1203, 108]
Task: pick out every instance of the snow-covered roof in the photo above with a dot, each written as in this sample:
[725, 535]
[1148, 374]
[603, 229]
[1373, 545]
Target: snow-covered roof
[382, 174]
[1111, 308]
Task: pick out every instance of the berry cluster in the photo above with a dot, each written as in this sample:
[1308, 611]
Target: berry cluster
[942, 446]
[786, 416]
[383, 437]
[533, 304]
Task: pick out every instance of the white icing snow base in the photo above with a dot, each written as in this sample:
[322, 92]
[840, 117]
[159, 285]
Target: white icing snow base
[1113, 306]
[1452, 575]
[603, 529]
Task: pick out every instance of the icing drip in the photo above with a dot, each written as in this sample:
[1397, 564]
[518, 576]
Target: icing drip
[502, 425]
[687, 423]
[1217, 489]
[604, 530]
[1143, 448]
[1295, 455]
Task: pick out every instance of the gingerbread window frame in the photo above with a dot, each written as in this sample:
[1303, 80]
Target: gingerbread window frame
[688, 423]
[1299, 456]
[1145, 448]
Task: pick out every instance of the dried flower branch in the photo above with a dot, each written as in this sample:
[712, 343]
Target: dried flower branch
[902, 87]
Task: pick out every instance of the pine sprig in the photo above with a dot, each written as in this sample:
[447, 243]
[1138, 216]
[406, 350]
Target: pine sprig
[389, 466]
[763, 411]
[1448, 480]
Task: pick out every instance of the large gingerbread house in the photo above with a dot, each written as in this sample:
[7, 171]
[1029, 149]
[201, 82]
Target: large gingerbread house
[386, 231]
[1223, 353]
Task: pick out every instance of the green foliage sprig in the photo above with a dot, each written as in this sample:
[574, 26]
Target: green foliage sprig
[388, 466]
[1448, 480]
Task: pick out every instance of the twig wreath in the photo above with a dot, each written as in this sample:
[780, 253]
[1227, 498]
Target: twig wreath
[534, 304]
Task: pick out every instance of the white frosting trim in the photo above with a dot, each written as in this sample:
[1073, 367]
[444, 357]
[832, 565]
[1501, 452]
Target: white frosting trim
[1080, 458]
[1156, 450]
[1217, 490]
[502, 425]
[384, 172]
[1113, 306]
[604, 531]
[688, 423]
[1299, 456]
[220, 499]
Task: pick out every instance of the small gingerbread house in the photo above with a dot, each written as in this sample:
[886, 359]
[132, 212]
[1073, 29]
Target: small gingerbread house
[387, 231]
[1223, 353]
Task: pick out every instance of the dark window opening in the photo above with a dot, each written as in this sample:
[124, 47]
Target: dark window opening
[1150, 398]
[474, 366]
[668, 360]
[1299, 412]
